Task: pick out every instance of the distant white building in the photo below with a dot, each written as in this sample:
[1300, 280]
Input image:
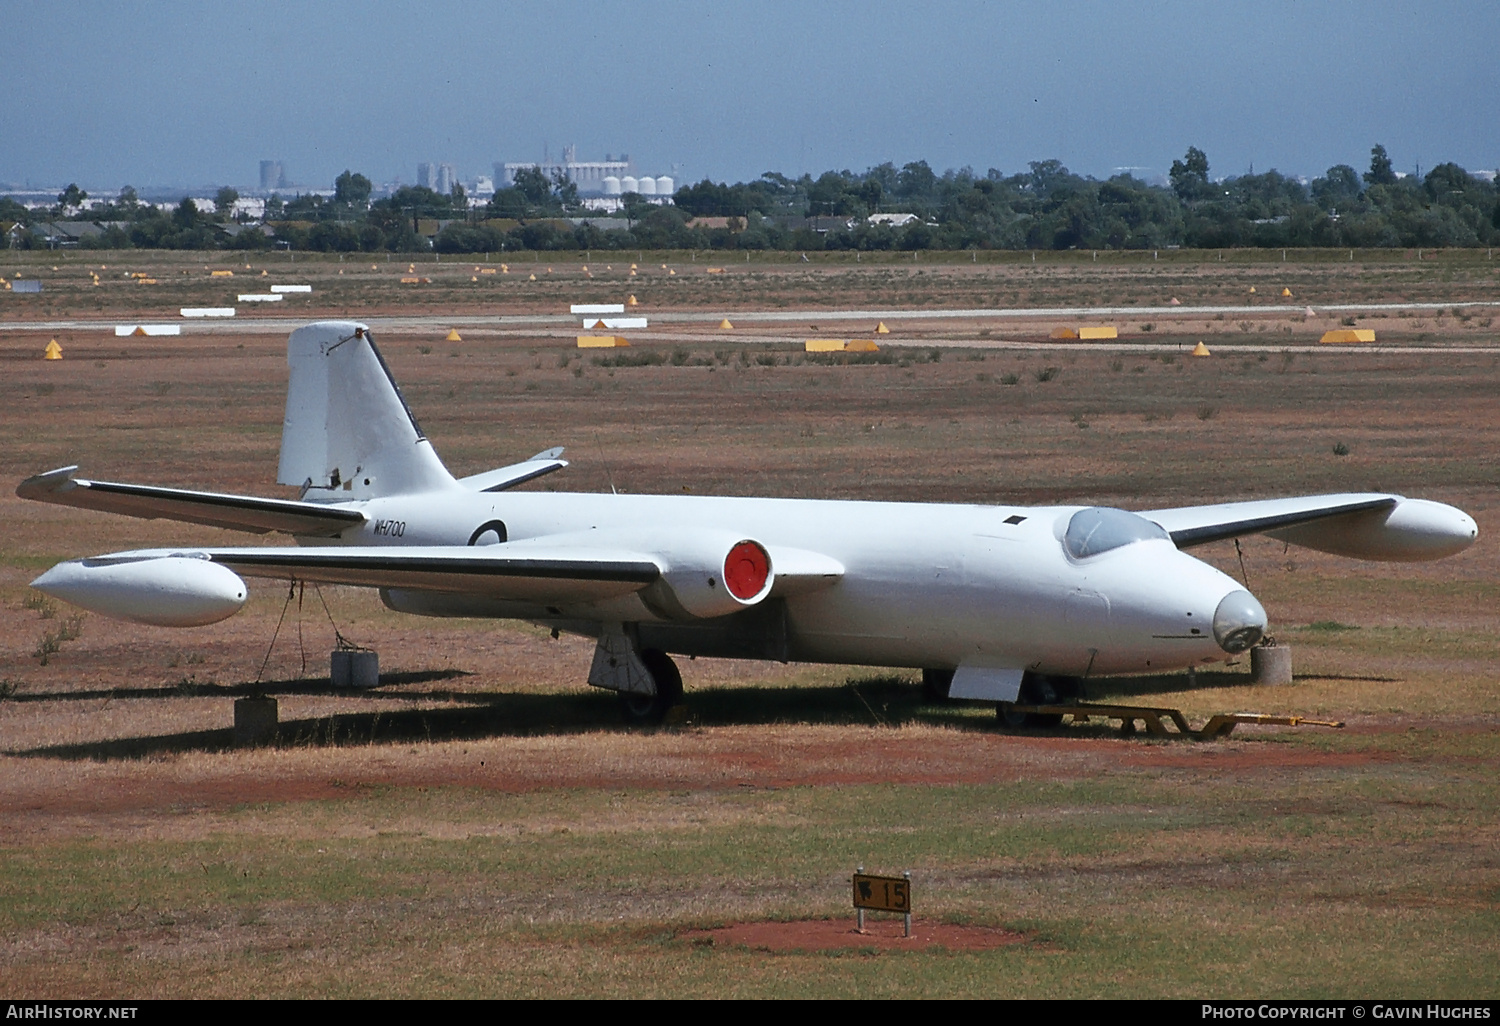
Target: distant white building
[892, 220]
[248, 208]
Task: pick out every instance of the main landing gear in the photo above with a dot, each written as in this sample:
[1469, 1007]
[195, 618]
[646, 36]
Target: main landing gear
[645, 680]
[649, 710]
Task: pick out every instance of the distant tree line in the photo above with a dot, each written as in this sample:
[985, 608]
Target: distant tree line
[1044, 207]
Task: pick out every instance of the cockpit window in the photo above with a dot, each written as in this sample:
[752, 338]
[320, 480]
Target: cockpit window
[1102, 528]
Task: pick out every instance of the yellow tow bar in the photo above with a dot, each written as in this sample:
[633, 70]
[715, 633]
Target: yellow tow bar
[1155, 720]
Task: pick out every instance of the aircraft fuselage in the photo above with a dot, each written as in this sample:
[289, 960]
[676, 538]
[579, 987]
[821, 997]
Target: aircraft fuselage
[926, 584]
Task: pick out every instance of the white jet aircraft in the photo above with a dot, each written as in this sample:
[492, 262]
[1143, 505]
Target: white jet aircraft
[997, 603]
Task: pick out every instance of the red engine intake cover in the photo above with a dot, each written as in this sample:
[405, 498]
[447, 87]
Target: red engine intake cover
[745, 570]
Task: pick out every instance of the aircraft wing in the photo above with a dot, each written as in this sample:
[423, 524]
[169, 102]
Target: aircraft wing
[1365, 525]
[539, 573]
[688, 578]
[237, 512]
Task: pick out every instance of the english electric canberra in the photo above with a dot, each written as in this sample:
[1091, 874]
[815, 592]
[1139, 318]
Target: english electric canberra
[995, 603]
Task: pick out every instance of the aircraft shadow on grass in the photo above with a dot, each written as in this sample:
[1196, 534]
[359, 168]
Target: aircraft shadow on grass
[873, 701]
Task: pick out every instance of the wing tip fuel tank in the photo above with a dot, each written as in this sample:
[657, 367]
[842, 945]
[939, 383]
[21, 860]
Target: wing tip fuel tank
[170, 591]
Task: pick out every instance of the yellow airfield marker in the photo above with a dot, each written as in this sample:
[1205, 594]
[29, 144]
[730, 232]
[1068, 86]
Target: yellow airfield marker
[221, 274]
[453, 336]
[632, 267]
[632, 301]
[505, 268]
[1174, 301]
[139, 330]
[1201, 350]
[1286, 292]
[632, 273]
[1063, 333]
[472, 277]
[1098, 332]
[53, 351]
[724, 325]
[671, 272]
[1344, 335]
[840, 345]
[531, 277]
[601, 342]
[881, 329]
[1252, 290]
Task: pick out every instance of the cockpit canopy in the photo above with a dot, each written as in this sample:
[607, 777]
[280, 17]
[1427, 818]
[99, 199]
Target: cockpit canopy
[1104, 528]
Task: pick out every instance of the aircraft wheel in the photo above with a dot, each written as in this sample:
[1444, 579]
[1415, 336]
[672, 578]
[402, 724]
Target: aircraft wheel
[650, 710]
[1006, 711]
[935, 684]
[1036, 689]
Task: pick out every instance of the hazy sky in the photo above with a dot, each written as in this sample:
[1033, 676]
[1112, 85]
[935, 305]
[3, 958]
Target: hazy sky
[198, 93]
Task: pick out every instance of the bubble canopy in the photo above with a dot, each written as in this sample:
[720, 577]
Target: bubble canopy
[1104, 528]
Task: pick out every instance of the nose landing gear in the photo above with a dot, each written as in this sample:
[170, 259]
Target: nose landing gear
[1039, 689]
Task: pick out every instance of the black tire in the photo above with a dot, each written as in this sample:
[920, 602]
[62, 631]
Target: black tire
[935, 684]
[1036, 689]
[650, 710]
[1006, 713]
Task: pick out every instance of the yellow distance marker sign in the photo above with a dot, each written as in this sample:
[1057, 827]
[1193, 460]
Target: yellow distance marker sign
[882, 893]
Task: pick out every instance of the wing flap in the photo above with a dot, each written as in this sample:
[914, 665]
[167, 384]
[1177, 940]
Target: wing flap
[215, 509]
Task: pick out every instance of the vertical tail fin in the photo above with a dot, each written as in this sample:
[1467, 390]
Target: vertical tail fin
[348, 433]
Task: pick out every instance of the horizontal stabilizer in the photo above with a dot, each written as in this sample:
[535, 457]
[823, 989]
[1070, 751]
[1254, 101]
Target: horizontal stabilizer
[236, 512]
[517, 473]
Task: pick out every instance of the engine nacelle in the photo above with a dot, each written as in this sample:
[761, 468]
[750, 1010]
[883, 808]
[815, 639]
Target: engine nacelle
[169, 591]
[708, 574]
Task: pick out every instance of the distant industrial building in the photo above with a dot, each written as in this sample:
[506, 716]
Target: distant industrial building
[272, 175]
[610, 177]
[439, 178]
[644, 186]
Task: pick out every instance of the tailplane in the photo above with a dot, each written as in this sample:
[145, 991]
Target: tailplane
[348, 433]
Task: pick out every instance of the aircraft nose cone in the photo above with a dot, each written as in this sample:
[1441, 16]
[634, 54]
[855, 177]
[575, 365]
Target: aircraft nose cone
[1239, 622]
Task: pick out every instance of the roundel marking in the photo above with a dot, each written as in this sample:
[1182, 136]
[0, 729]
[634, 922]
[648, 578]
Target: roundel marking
[494, 528]
[745, 570]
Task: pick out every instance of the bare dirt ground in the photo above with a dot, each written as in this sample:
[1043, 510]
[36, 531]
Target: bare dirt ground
[841, 935]
[121, 735]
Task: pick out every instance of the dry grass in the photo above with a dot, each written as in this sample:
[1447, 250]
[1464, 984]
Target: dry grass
[482, 825]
